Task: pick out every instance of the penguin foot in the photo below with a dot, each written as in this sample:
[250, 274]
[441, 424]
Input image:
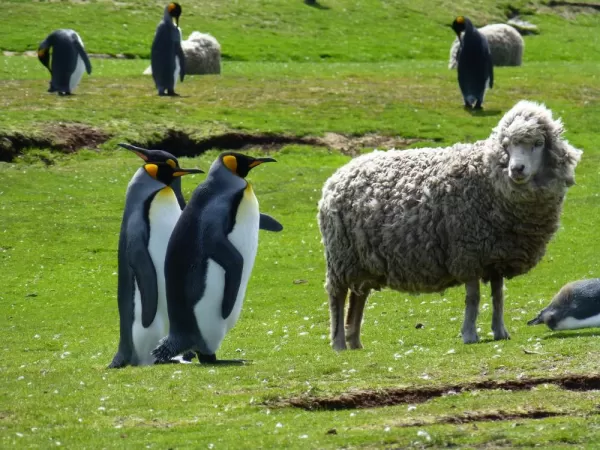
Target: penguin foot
[478, 107]
[62, 94]
[173, 94]
[467, 106]
[118, 362]
[165, 351]
[188, 356]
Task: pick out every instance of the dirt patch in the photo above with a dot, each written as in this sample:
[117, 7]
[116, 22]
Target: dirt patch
[395, 396]
[61, 137]
[180, 143]
[578, 5]
[485, 417]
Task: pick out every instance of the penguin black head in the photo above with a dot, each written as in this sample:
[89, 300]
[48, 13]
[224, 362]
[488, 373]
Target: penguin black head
[460, 24]
[174, 11]
[160, 165]
[241, 164]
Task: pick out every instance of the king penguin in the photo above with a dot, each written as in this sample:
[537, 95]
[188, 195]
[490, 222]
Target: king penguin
[475, 67]
[576, 305]
[210, 258]
[152, 208]
[166, 57]
[68, 62]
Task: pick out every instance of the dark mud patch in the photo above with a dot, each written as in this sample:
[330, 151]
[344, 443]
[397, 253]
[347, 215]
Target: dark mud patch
[485, 417]
[395, 396]
[180, 143]
[61, 137]
[576, 5]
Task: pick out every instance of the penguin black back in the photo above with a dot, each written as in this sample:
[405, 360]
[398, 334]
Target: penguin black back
[475, 67]
[166, 56]
[62, 53]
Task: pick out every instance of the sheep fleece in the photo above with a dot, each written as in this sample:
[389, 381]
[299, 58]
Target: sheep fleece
[424, 220]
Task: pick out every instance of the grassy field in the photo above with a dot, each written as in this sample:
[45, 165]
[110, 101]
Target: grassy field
[385, 74]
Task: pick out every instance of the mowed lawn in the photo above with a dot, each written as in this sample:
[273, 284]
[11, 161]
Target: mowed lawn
[60, 217]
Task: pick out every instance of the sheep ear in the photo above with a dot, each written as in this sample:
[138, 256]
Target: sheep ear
[559, 128]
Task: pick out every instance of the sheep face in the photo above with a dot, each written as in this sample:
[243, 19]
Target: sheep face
[525, 158]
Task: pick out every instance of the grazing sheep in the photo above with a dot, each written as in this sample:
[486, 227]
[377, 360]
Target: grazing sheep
[506, 45]
[424, 220]
[202, 55]
[577, 305]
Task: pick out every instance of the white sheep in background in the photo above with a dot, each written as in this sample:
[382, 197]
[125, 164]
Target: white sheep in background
[506, 45]
[424, 220]
[202, 55]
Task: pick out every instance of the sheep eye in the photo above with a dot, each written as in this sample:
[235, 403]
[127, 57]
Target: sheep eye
[538, 144]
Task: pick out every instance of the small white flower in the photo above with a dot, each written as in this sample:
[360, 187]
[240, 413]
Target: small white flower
[451, 351]
[411, 407]
[386, 429]
[303, 436]
[424, 434]
[278, 425]
[19, 434]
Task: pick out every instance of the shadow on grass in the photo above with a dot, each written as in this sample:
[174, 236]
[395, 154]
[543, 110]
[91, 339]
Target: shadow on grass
[315, 4]
[483, 112]
[572, 334]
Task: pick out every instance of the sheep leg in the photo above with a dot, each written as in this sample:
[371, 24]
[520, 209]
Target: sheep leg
[469, 328]
[337, 300]
[354, 318]
[498, 327]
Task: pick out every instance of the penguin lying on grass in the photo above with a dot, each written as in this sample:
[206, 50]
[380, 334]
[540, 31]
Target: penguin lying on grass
[68, 62]
[166, 57]
[152, 207]
[577, 305]
[210, 258]
[475, 67]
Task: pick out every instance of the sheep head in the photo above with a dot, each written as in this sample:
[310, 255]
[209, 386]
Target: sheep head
[536, 154]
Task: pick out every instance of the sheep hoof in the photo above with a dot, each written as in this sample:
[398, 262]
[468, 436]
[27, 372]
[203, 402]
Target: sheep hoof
[470, 337]
[501, 334]
[338, 347]
[354, 345]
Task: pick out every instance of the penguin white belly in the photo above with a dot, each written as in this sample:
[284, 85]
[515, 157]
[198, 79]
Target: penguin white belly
[163, 215]
[244, 237]
[176, 73]
[571, 323]
[77, 74]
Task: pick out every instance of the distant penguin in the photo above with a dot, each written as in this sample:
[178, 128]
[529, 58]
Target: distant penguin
[167, 59]
[577, 305]
[152, 208]
[475, 67]
[66, 62]
[210, 258]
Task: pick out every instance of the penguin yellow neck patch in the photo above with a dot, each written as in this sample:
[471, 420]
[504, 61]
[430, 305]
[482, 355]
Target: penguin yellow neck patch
[460, 20]
[231, 163]
[152, 169]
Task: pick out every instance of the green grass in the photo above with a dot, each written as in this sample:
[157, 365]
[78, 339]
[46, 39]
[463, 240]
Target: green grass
[385, 73]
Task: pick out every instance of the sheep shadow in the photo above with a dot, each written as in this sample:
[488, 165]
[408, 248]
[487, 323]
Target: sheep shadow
[315, 4]
[572, 334]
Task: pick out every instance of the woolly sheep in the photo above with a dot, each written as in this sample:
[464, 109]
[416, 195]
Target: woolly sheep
[506, 45]
[424, 220]
[202, 55]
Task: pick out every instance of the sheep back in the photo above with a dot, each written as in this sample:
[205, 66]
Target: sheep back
[506, 45]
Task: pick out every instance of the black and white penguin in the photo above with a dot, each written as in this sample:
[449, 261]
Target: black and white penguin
[152, 208]
[167, 59]
[210, 258]
[475, 67]
[63, 55]
[577, 305]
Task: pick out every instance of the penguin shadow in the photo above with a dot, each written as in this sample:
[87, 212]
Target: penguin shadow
[572, 334]
[227, 362]
[483, 112]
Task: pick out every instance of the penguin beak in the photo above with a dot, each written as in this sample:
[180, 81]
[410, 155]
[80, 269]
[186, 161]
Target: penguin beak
[181, 172]
[259, 161]
[535, 321]
[141, 152]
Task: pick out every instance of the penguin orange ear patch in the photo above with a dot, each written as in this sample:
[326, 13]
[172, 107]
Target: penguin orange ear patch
[171, 7]
[152, 169]
[460, 20]
[230, 162]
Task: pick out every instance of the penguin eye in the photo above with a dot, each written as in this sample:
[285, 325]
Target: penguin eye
[171, 163]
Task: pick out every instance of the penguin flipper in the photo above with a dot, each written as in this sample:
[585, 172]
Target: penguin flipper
[230, 259]
[181, 56]
[81, 51]
[145, 276]
[268, 223]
